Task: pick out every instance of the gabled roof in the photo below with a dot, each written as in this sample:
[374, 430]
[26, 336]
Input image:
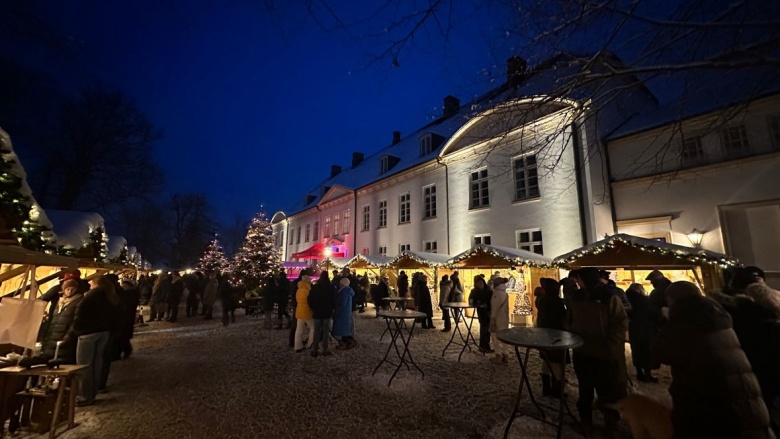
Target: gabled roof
[360, 261]
[483, 255]
[334, 192]
[413, 259]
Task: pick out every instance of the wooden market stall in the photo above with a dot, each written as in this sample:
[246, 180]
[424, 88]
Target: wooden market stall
[16, 260]
[431, 264]
[521, 267]
[373, 266]
[632, 258]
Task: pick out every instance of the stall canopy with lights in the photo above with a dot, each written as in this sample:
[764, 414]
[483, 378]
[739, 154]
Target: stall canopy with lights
[16, 260]
[429, 263]
[633, 258]
[521, 267]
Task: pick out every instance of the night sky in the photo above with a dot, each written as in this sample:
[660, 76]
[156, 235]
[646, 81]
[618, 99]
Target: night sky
[254, 106]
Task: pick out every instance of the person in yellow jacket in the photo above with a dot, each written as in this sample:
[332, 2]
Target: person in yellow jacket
[303, 313]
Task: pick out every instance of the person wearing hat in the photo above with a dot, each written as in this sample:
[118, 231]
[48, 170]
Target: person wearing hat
[62, 322]
[403, 284]
[379, 292]
[499, 317]
[658, 295]
[342, 316]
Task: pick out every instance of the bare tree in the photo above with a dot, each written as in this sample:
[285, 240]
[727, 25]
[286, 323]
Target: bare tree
[192, 227]
[233, 234]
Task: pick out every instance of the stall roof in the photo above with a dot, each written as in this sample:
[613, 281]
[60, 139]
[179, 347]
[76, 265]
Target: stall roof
[115, 246]
[72, 228]
[10, 254]
[335, 262]
[622, 250]
[362, 261]
[482, 255]
[413, 259]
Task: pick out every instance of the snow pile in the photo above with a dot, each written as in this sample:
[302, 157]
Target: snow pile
[73, 228]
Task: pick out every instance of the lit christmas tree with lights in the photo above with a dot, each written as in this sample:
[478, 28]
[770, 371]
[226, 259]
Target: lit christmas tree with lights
[258, 257]
[213, 258]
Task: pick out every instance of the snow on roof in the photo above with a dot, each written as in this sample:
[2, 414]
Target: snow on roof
[431, 259]
[555, 74]
[511, 255]
[705, 93]
[678, 251]
[373, 260]
[335, 262]
[17, 255]
[115, 246]
[73, 228]
[36, 212]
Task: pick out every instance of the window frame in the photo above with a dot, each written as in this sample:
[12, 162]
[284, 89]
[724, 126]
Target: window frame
[366, 226]
[336, 223]
[431, 246]
[307, 233]
[526, 169]
[480, 182]
[316, 232]
[426, 144]
[326, 228]
[532, 243]
[382, 250]
[482, 237]
[728, 140]
[405, 208]
[404, 247]
[429, 201]
[382, 217]
[384, 164]
[686, 159]
[298, 235]
[346, 217]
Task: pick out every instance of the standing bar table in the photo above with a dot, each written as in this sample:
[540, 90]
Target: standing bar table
[545, 340]
[395, 320]
[458, 311]
[397, 302]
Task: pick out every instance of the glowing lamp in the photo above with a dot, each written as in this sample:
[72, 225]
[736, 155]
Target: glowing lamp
[696, 236]
[327, 252]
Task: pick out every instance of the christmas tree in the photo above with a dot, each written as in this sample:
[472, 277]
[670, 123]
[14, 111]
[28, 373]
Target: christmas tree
[213, 258]
[258, 257]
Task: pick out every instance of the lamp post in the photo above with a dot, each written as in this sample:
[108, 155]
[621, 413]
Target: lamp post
[695, 236]
[327, 252]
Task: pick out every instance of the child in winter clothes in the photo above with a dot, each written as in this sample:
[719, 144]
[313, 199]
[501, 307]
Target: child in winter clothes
[303, 313]
[499, 317]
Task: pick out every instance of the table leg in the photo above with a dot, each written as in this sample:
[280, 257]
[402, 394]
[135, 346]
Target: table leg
[456, 331]
[390, 346]
[517, 397]
[470, 335]
[74, 386]
[55, 417]
[408, 352]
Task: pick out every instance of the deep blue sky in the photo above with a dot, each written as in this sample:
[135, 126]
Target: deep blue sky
[254, 108]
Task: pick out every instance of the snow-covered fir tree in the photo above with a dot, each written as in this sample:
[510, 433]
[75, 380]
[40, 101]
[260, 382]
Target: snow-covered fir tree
[213, 258]
[258, 257]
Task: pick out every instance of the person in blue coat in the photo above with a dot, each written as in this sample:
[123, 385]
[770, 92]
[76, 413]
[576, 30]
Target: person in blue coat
[342, 316]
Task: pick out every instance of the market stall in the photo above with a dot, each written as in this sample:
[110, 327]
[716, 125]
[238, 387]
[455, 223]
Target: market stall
[373, 266]
[15, 261]
[432, 265]
[631, 258]
[521, 267]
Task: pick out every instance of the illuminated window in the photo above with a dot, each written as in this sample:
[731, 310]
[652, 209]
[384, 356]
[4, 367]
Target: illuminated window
[326, 231]
[526, 177]
[479, 189]
[308, 233]
[382, 214]
[430, 247]
[692, 150]
[383, 251]
[734, 140]
[482, 239]
[530, 240]
[335, 225]
[404, 208]
[429, 201]
[404, 247]
[345, 230]
[316, 230]
[366, 218]
[426, 145]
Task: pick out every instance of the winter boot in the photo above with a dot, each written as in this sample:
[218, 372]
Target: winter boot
[546, 385]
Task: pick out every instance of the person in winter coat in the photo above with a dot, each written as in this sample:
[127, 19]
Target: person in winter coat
[658, 295]
[342, 316]
[303, 313]
[61, 323]
[597, 315]
[403, 284]
[144, 290]
[117, 329]
[423, 301]
[210, 294]
[228, 301]
[642, 329]
[322, 300]
[379, 292]
[499, 317]
[174, 297]
[282, 298]
[159, 302]
[551, 314]
[480, 297]
[129, 299]
[714, 391]
[193, 283]
[270, 293]
[91, 326]
[456, 287]
[445, 286]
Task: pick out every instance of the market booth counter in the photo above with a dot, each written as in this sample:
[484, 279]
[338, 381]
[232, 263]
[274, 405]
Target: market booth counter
[433, 265]
[521, 267]
[632, 258]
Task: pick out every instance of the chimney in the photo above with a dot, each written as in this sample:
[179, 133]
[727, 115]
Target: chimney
[357, 157]
[396, 137]
[451, 106]
[515, 71]
[334, 170]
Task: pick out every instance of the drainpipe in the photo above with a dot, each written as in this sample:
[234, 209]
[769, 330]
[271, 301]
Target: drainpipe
[579, 174]
[354, 225]
[610, 191]
[286, 235]
[446, 197]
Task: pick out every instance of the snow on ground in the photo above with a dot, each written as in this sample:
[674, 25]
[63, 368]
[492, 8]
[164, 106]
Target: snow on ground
[196, 379]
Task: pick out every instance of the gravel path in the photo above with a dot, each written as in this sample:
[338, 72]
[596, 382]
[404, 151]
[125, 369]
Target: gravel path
[197, 379]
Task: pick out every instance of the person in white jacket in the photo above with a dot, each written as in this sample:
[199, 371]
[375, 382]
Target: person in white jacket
[499, 318]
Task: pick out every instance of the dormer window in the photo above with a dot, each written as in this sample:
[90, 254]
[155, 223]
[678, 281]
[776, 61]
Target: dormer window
[384, 164]
[426, 145]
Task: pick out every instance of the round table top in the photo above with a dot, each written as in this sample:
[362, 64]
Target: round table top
[463, 305]
[540, 338]
[401, 314]
[396, 299]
